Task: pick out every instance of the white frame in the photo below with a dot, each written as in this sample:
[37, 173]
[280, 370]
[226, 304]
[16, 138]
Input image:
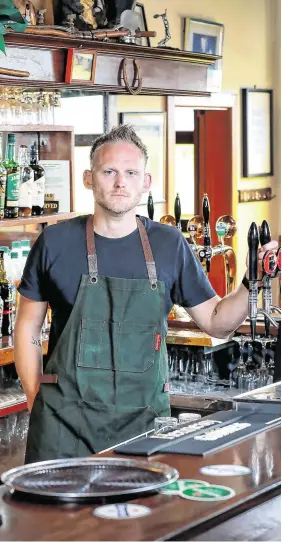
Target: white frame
[206, 28]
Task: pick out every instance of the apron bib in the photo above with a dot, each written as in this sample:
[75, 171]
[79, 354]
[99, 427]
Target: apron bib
[106, 379]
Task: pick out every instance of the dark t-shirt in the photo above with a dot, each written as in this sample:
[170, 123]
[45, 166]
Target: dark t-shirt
[58, 259]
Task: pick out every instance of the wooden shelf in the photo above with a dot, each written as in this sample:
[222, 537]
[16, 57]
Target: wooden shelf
[42, 219]
[7, 349]
[36, 128]
[12, 409]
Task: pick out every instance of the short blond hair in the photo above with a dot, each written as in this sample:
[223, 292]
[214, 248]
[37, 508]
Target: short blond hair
[125, 133]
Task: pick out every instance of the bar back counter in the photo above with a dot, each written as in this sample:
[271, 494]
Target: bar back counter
[236, 487]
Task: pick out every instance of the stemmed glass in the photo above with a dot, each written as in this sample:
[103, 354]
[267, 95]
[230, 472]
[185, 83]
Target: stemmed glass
[240, 370]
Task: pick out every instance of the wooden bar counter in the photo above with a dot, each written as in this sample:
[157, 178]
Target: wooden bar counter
[172, 517]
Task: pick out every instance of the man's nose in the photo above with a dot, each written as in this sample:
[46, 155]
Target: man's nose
[120, 180]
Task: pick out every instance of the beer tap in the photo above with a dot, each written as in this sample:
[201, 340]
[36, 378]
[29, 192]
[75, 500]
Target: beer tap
[150, 206]
[198, 228]
[177, 211]
[205, 252]
[253, 241]
[269, 265]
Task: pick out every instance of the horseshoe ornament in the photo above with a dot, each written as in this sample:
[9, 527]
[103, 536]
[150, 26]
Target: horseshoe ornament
[137, 76]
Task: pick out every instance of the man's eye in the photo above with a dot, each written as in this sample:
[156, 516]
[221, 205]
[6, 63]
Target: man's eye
[109, 172]
[131, 173]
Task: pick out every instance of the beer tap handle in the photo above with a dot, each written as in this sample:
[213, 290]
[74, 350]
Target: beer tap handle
[264, 233]
[177, 211]
[150, 206]
[206, 253]
[269, 266]
[253, 242]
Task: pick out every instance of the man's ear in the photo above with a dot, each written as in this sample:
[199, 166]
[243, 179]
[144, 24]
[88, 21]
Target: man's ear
[87, 179]
[147, 182]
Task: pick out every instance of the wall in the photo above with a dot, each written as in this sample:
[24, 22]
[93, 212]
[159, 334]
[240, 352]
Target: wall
[251, 56]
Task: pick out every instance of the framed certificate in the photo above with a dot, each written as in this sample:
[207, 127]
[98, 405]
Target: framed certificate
[257, 124]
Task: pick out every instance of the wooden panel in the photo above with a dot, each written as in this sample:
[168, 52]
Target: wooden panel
[43, 219]
[171, 516]
[182, 76]
[45, 59]
[213, 160]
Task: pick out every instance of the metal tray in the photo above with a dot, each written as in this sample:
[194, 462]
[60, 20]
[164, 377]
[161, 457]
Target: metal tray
[88, 478]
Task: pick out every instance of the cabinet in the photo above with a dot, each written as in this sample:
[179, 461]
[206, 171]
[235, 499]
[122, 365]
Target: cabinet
[57, 143]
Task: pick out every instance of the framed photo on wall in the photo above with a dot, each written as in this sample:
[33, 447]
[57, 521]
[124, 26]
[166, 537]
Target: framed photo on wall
[206, 37]
[140, 11]
[257, 125]
[151, 128]
[80, 66]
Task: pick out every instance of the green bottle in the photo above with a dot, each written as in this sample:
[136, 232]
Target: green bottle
[11, 209]
[3, 181]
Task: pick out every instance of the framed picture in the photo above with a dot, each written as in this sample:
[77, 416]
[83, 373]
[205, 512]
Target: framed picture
[257, 124]
[140, 10]
[206, 37]
[151, 128]
[80, 66]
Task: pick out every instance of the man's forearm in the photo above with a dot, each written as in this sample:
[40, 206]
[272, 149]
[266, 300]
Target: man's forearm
[230, 312]
[28, 359]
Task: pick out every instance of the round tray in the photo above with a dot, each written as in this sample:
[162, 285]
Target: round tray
[85, 478]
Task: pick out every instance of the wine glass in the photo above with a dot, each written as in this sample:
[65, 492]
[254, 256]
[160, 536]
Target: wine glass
[241, 372]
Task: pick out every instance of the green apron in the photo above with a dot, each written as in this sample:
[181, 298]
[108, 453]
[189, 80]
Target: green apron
[107, 378]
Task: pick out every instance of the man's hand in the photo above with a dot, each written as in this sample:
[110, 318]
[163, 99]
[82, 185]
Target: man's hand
[273, 245]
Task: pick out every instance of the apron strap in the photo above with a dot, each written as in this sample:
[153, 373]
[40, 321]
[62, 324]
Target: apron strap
[91, 250]
[150, 263]
[92, 255]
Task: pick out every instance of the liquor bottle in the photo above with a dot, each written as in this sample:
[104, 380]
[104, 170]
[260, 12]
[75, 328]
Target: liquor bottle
[26, 183]
[11, 209]
[38, 189]
[3, 181]
[6, 296]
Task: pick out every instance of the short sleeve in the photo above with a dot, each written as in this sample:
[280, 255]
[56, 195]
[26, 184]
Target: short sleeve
[191, 286]
[34, 282]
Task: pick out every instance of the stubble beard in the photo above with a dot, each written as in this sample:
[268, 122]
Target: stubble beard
[117, 208]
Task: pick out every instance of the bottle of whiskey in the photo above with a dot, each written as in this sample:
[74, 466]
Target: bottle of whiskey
[3, 181]
[26, 183]
[6, 296]
[38, 190]
[11, 209]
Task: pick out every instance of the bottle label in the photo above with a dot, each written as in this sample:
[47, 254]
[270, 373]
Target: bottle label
[25, 194]
[38, 190]
[13, 181]
[3, 181]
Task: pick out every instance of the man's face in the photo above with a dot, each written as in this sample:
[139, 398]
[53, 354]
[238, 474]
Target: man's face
[118, 177]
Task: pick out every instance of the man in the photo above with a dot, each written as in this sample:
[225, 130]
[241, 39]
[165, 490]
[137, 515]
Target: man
[111, 281]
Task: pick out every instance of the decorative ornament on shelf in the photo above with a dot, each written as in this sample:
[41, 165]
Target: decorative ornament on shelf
[10, 17]
[167, 37]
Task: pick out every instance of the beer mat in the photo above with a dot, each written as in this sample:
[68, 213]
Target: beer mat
[149, 445]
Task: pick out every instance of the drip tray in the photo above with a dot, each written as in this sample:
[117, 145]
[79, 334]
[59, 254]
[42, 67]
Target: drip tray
[88, 478]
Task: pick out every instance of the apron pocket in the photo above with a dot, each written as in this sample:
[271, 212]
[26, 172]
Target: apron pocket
[115, 346]
[136, 352]
[94, 347]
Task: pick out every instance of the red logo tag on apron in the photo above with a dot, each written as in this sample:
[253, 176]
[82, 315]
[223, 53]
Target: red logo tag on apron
[158, 342]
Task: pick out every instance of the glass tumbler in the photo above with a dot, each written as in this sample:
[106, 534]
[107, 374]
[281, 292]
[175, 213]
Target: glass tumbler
[165, 423]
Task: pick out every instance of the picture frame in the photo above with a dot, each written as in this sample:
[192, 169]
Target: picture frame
[206, 37]
[80, 67]
[257, 132]
[140, 10]
[151, 128]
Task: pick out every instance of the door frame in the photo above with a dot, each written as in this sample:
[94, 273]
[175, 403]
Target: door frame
[215, 101]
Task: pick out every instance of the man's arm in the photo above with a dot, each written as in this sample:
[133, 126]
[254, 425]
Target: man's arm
[220, 317]
[28, 348]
